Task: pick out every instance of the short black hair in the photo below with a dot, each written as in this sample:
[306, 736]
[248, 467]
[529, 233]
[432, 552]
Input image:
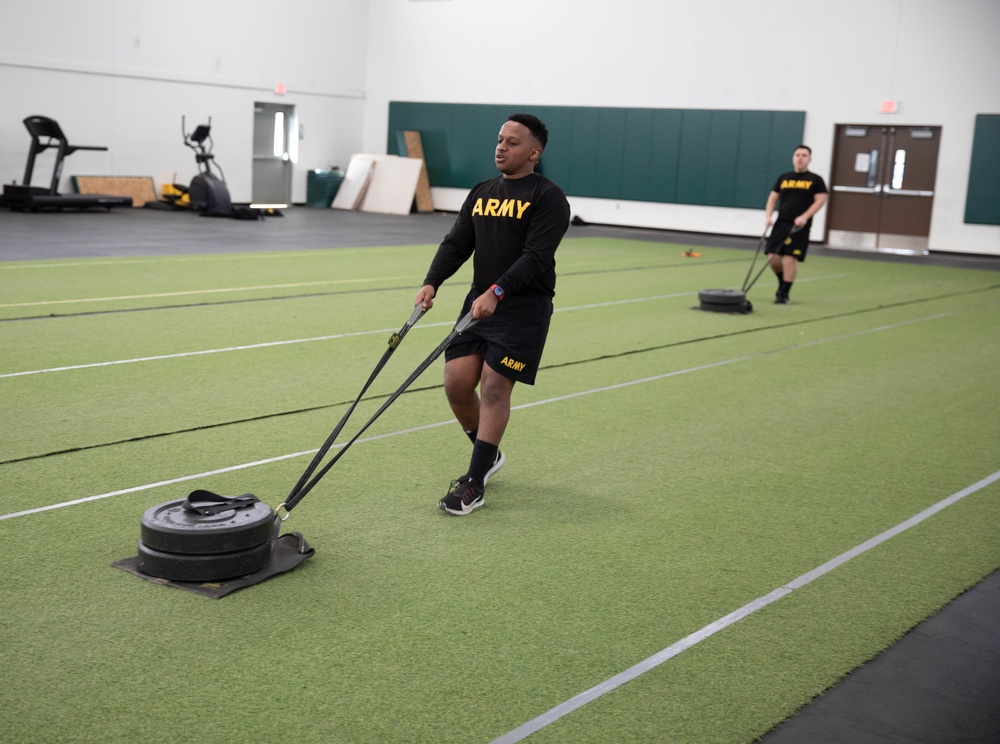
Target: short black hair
[538, 130]
[806, 148]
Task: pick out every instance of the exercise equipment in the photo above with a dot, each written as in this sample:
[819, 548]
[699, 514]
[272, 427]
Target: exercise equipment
[207, 538]
[735, 300]
[45, 134]
[312, 476]
[208, 192]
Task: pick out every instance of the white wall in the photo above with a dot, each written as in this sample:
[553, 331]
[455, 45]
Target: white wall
[834, 60]
[120, 74]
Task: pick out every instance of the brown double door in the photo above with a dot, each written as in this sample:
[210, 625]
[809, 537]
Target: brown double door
[882, 187]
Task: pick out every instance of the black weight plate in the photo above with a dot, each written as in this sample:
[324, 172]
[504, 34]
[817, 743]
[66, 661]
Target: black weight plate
[202, 567]
[741, 309]
[172, 528]
[722, 296]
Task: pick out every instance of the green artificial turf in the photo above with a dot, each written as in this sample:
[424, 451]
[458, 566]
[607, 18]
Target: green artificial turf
[670, 467]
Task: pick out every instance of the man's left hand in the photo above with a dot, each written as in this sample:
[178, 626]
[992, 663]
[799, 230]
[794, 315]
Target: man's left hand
[485, 305]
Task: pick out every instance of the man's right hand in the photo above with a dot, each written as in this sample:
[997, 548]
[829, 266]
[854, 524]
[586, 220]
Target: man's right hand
[425, 297]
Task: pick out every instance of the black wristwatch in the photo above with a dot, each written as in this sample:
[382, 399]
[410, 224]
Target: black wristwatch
[497, 290]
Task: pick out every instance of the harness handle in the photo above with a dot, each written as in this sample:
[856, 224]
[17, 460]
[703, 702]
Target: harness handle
[207, 503]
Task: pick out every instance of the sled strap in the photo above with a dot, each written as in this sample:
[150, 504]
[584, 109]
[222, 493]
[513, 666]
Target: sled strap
[394, 342]
[305, 487]
[207, 503]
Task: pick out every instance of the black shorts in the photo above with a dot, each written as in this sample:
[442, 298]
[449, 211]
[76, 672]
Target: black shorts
[784, 242]
[511, 340]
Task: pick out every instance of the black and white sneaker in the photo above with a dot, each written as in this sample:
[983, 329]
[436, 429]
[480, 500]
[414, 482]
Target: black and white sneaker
[498, 463]
[464, 497]
[780, 299]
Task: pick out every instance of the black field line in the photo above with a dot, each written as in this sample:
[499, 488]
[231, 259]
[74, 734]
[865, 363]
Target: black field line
[571, 363]
[281, 298]
[774, 326]
[217, 425]
[188, 305]
[671, 651]
[591, 306]
[312, 339]
[575, 703]
[330, 337]
[182, 258]
[547, 401]
[176, 306]
[207, 291]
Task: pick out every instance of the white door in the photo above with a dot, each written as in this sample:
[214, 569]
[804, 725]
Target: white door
[273, 153]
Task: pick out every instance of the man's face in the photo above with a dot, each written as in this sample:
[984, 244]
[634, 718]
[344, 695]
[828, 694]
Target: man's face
[517, 150]
[801, 159]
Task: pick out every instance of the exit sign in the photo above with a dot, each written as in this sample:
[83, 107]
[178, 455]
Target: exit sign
[889, 107]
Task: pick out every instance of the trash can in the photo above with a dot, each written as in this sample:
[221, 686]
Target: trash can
[322, 186]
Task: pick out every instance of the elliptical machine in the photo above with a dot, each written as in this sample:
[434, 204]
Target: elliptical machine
[208, 192]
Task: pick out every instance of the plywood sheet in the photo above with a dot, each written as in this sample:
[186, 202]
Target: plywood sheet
[415, 149]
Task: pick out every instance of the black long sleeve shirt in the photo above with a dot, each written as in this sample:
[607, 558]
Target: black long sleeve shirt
[512, 228]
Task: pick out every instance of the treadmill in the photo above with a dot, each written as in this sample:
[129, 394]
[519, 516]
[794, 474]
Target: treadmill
[28, 197]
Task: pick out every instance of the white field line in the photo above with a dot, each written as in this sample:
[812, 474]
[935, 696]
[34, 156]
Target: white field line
[557, 399]
[616, 681]
[612, 683]
[189, 292]
[209, 473]
[201, 352]
[267, 344]
[150, 260]
[283, 256]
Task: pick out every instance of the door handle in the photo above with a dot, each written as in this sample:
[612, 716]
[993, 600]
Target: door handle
[908, 192]
[858, 189]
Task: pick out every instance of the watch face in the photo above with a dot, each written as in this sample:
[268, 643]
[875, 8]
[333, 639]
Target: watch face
[498, 292]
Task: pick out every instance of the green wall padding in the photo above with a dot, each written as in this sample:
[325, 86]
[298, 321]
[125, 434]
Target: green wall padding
[982, 204]
[717, 158]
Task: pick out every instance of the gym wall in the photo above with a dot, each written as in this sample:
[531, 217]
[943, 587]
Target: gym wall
[715, 158]
[121, 74]
[834, 61]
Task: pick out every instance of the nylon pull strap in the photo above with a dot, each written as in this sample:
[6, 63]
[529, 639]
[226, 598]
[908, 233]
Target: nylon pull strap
[747, 283]
[310, 479]
[394, 340]
[207, 503]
